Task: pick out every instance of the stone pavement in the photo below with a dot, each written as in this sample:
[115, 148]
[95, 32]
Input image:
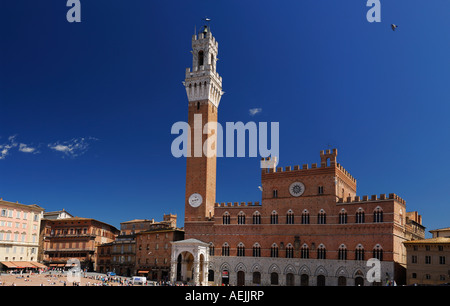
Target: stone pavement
[60, 279]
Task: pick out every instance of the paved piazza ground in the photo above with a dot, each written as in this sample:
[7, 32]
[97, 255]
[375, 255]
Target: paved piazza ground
[59, 278]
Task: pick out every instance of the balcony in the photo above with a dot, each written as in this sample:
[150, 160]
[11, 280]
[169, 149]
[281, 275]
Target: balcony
[46, 251]
[75, 235]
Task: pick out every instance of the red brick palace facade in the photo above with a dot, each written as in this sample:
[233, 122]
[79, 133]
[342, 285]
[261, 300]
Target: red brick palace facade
[310, 227]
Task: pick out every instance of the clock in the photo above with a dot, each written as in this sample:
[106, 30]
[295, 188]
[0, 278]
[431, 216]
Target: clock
[195, 200]
[296, 189]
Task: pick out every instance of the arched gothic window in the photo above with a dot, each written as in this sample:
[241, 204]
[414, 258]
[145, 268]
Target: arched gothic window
[256, 250]
[304, 252]
[226, 218]
[240, 249]
[225, 249]
[342, 252]
[359, 252]
[360, 216]
[241, 218]
[274, 250]
[322, 217]
[256, 217]
[305, 217]
[274, 217]
[321, 252]
[342, 216]
[378, 252]
[289, 251]
[290, 217]
[378, 215]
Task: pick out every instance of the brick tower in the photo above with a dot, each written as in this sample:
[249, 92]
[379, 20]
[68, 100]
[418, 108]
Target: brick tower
[204, 90]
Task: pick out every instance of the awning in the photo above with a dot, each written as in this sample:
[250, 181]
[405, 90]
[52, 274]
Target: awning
[38, 265]
[22, 264]
[8, 264]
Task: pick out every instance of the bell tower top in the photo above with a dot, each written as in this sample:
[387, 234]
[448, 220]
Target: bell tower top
[202, 82]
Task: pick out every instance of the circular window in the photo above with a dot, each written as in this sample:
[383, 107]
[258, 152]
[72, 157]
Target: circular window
[297, 189]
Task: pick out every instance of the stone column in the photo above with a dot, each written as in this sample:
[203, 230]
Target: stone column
[173, 272]
[196, 272]
[205, 273]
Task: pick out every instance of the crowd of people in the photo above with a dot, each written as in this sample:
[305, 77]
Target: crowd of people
[60, 277]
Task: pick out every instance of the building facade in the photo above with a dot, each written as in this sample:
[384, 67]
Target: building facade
[429, 259]
[74, 240]
[137, 249]
[119, 256]
[104, 258]
[154, 248]
[310, 227]
[19, 232]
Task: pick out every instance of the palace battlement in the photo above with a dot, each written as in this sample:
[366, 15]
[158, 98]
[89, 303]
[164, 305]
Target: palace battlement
[328, 160]
[237, 204]
[365, 198]
[346, 172]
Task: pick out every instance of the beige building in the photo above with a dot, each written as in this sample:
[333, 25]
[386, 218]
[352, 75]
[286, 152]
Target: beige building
[428, 260]
[19, 234]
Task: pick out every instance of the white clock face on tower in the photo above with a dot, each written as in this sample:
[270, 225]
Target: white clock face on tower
[195, 200]
[297, 189]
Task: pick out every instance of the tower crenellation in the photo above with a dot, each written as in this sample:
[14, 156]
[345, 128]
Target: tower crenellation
[203, 82]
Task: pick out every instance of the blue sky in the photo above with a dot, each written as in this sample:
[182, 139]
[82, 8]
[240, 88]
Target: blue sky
[96, 100]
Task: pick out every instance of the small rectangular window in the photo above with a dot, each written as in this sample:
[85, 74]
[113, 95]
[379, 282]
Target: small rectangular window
[275, 193]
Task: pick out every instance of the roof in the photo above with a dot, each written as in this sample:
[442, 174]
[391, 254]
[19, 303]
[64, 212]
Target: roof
[32, 206]
[137, 220]
[160, 230]
[56, 212]
[441, 229]
[437, 240]
[81, 219]
[191, 241]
